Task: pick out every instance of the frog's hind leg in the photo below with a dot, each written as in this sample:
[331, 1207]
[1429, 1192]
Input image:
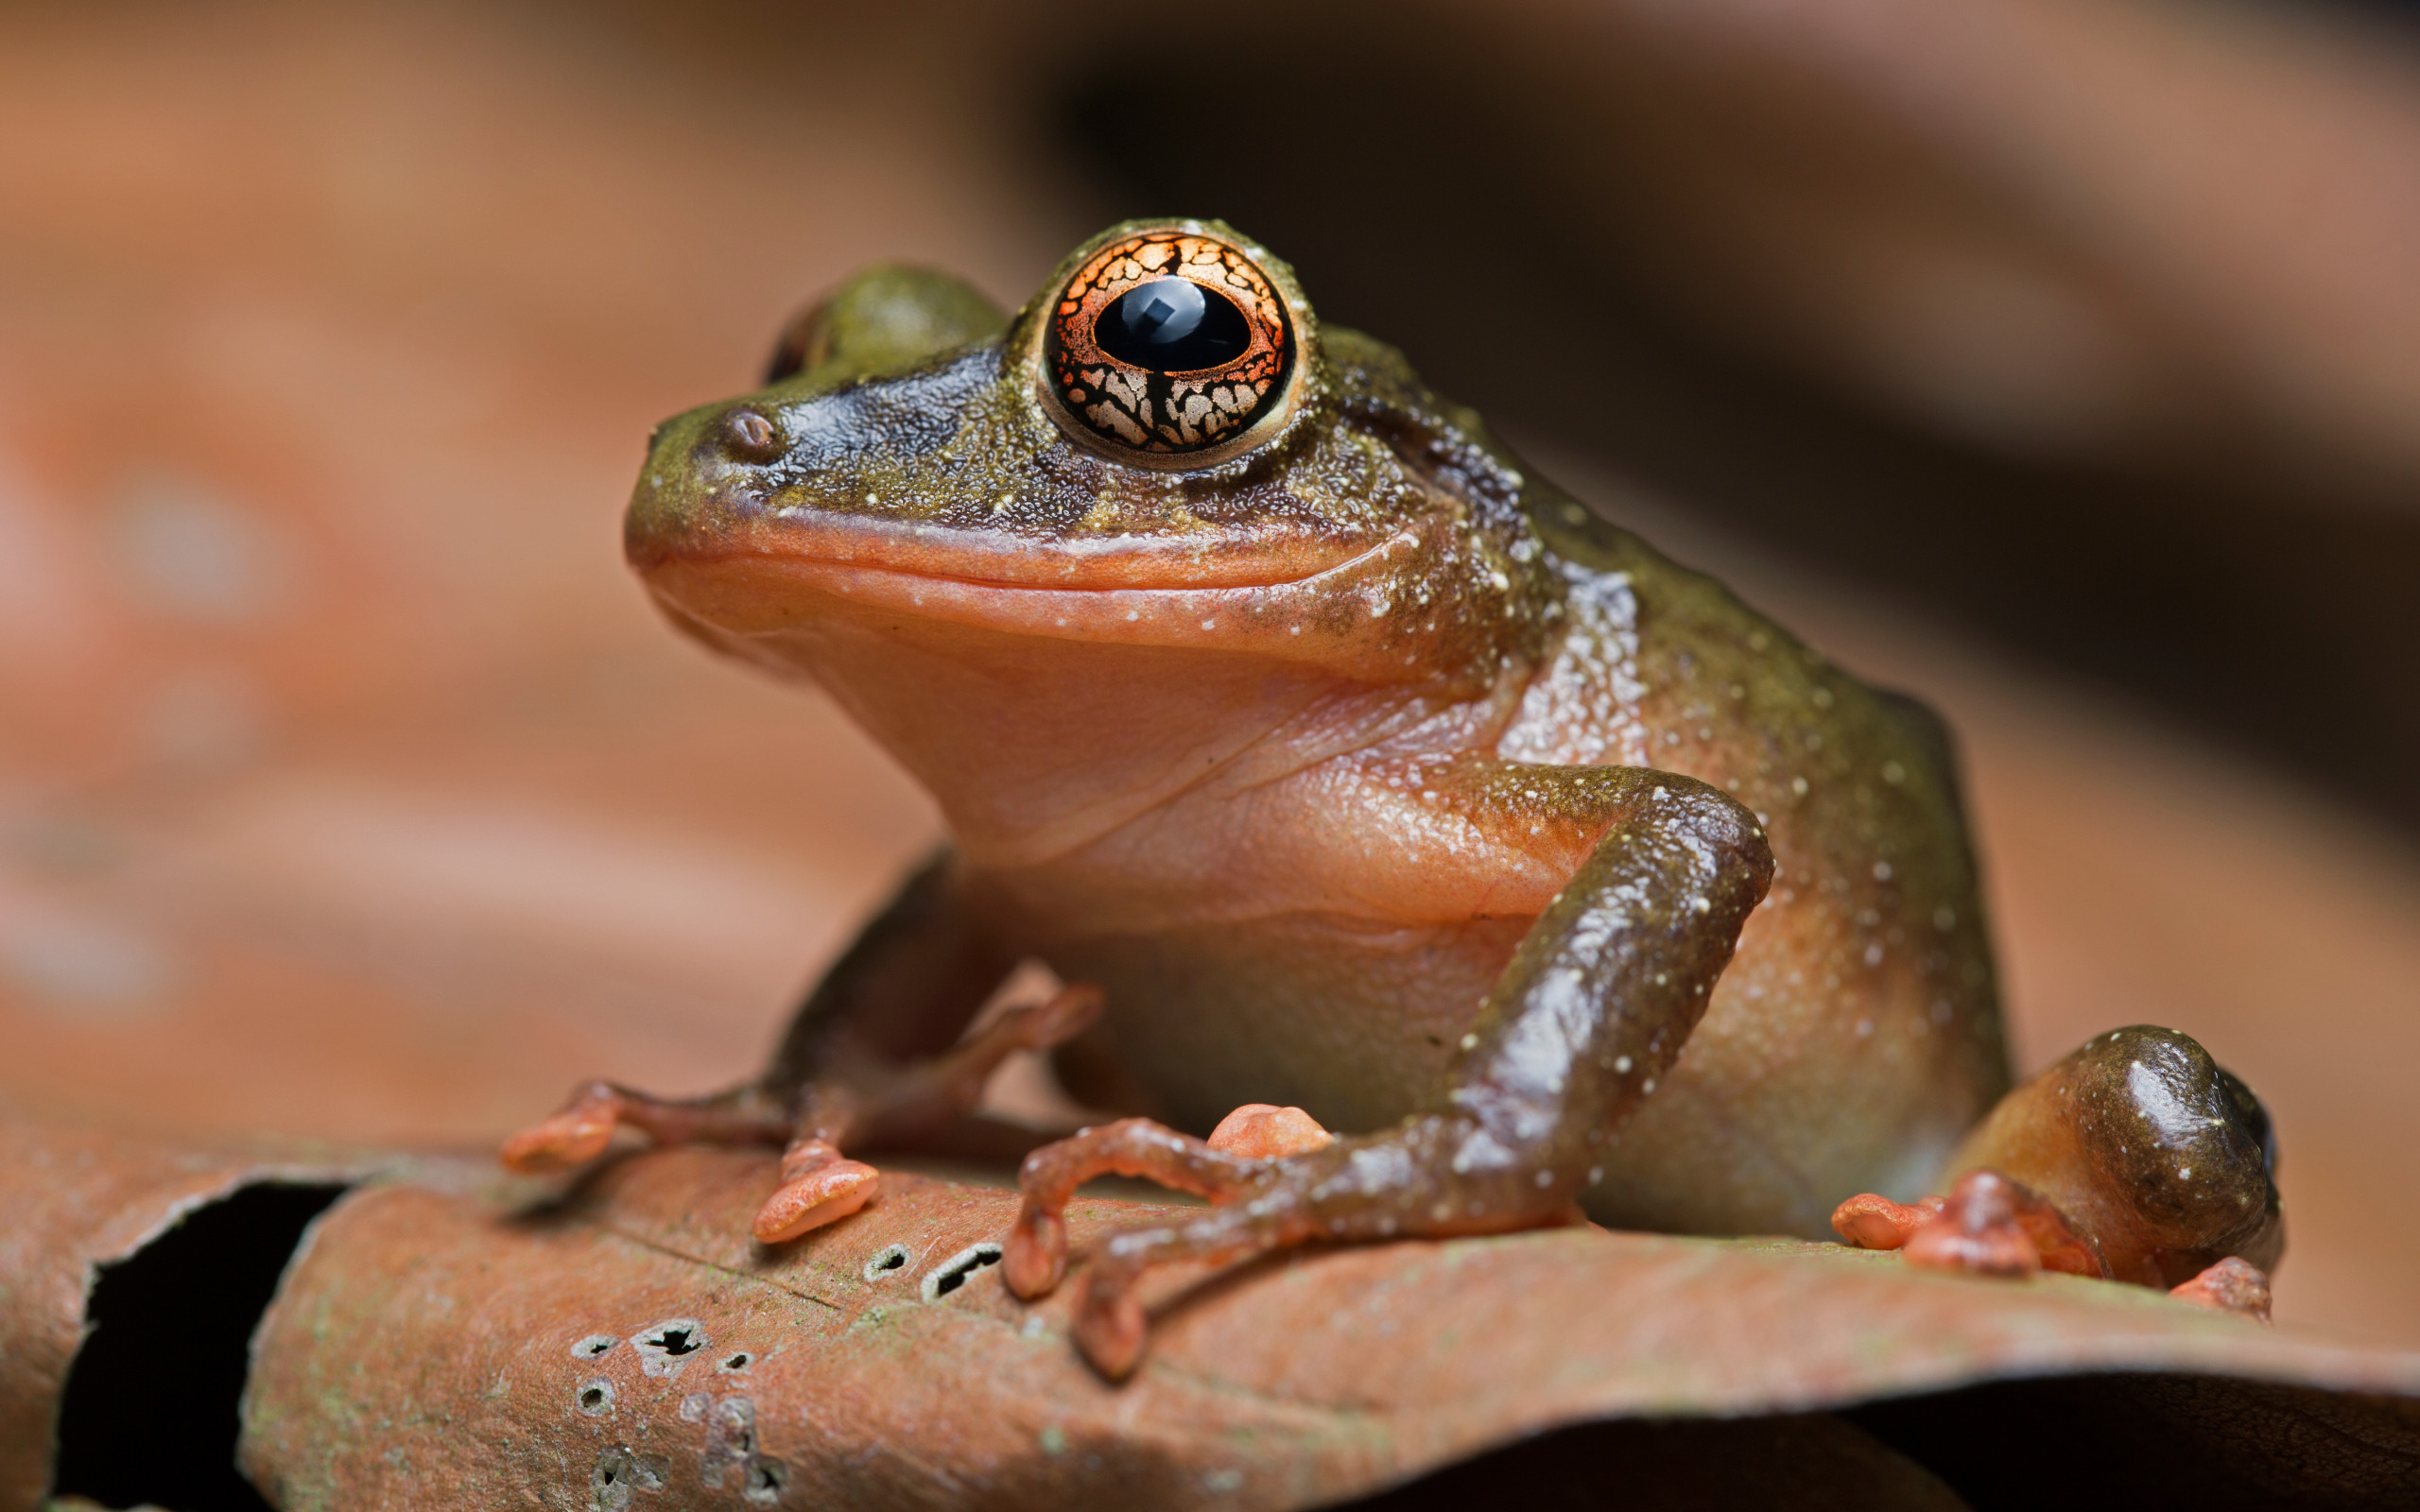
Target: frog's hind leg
[2137, 1158]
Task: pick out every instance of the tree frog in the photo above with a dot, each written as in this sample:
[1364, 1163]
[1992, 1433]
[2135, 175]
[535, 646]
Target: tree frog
[1354, 777]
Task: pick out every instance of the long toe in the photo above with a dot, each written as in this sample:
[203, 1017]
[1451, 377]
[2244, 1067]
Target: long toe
[568, 1139]
[825, 1194]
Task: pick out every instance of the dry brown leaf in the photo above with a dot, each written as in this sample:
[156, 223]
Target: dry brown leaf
[75, 1203]
[631, 1345]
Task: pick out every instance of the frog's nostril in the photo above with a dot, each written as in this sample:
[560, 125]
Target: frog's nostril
[750, 435]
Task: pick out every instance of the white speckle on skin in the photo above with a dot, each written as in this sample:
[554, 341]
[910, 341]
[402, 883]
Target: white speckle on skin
[1882, 871]
[1621, 1063]
[1470, 1041]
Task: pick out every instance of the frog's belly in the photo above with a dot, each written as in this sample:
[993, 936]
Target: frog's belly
[1813, 1076]
[1353, 1024]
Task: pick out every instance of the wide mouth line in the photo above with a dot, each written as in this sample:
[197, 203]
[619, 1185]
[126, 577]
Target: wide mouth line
[960, 550]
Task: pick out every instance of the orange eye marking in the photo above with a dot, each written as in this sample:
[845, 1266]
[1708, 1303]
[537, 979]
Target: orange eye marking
[1175, 371]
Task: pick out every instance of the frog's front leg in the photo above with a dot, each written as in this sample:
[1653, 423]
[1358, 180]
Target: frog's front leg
[1581, 1027]
[876, 1058]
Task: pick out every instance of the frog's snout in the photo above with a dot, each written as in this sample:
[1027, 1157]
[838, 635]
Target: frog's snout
[747, 436]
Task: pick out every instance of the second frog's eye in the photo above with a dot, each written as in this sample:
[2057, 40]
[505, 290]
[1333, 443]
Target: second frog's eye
[1170, 348]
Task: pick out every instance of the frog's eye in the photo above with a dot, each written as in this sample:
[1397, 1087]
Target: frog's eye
[1171, 349]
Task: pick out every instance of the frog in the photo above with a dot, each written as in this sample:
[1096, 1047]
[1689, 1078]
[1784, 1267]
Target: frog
[1349, 775]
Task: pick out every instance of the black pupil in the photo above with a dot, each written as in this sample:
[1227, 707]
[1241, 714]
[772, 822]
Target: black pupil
[1172, 325]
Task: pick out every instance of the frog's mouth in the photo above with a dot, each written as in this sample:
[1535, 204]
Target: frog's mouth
[977, 557]
[1297, 598]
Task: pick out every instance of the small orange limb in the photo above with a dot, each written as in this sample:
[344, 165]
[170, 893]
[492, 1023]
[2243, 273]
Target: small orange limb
[1992, 1226]
[573, 1137]
[2231, 1286]
[819, 1185]
[1871, 1221]
[1263, 1131]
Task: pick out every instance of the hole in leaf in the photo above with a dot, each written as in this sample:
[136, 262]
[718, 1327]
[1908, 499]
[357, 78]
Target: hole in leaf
[739, 1362]
[151, 1410]
[766, 1478]
[889, 1257]
[596, 1397]
[951, 1273]
[619, 1472]
[665, 1347]
[593, 1345]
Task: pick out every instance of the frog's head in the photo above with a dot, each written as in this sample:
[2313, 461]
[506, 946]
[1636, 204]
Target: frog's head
[1153, 517]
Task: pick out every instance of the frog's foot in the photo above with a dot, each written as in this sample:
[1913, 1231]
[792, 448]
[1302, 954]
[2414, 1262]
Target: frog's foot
[2231, 1286]
[1992, 1226]
[1871, 1221]
[818, 1183]
[584, 1127]
[1988, 1224]
[1434, 1175]
[821, 1185]
[1236, 1153]
[1037, 1252]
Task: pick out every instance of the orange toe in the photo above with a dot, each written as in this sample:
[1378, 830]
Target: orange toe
[825, 1194]
[1111, 1329]
[1037, 1257]
[559, 1144]
[1872, 1221]
[1262, 1131]
[1048, 1025]
[2231, 1286]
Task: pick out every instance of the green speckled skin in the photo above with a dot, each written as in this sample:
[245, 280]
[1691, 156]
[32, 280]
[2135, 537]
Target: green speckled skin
[1291, 753]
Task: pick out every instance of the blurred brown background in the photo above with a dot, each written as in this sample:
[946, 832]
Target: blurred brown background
[2057, 359]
